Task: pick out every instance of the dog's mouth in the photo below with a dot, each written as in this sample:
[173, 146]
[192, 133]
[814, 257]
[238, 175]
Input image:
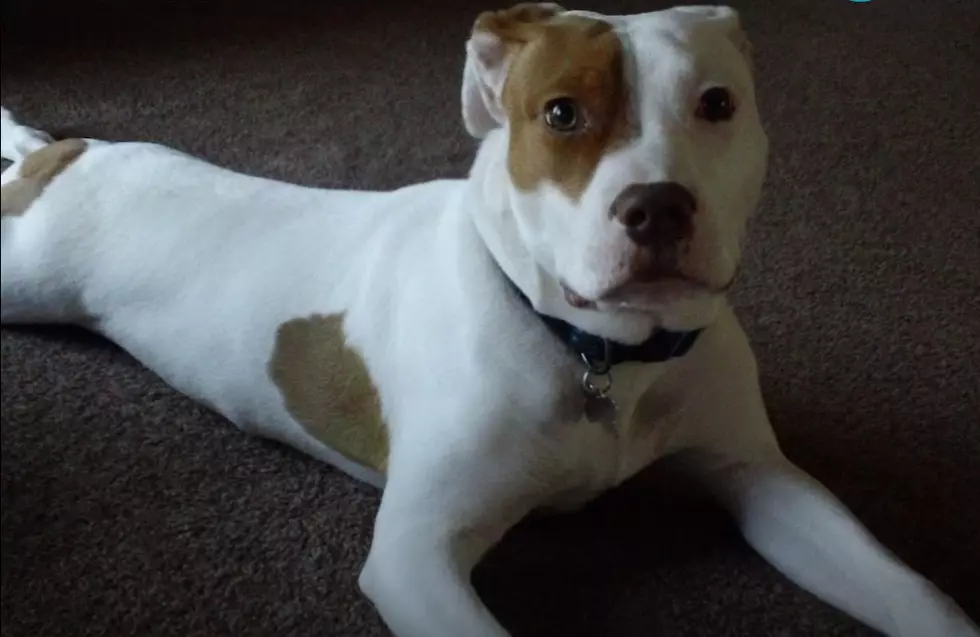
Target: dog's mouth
[646, 295]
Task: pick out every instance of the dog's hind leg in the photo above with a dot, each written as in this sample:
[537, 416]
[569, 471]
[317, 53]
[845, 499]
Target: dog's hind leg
[35, 280]
[18, 141]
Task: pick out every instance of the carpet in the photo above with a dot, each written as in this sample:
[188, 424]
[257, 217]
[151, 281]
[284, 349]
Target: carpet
[128, 510]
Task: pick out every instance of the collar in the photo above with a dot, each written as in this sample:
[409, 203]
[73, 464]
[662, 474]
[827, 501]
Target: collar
[598, 353]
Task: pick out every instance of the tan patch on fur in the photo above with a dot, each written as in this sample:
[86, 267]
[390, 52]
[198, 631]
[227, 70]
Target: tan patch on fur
[36, 171]
[328, 389]
[554, 56]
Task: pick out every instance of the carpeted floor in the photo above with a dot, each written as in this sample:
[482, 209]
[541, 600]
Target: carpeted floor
[127, 510]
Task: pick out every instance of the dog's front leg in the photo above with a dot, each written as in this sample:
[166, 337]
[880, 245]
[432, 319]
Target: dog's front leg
[436, 521]
[810, 536]
[790, 518]
[420, 583]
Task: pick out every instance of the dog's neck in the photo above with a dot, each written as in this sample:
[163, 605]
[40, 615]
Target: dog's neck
[491, 206]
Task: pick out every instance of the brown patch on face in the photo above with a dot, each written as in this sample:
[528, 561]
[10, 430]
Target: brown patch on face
[36, 171]
[558, 56]
[328, 389]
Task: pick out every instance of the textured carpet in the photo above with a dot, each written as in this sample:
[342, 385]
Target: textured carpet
[127, 510]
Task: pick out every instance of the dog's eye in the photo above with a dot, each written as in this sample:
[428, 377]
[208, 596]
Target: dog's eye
[561, 115]
[716, 105]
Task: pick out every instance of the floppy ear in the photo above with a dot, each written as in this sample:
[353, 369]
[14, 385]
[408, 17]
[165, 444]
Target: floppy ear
[496, 36]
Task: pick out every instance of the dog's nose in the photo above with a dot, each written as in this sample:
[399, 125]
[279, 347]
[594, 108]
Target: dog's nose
[658, 214]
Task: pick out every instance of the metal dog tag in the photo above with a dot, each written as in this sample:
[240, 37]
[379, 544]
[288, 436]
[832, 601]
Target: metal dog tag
[596, 384]
[601, 410]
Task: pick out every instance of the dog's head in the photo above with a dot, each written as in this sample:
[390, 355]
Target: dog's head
[624, 153]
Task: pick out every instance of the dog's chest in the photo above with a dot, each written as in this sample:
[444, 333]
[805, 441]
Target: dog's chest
[629, 433]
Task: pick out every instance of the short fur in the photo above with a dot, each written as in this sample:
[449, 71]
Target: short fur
[380, 331]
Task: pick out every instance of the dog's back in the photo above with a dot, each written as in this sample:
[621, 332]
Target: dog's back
[234, 289]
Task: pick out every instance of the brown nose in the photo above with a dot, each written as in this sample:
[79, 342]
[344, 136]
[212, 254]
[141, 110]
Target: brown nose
[656, 215]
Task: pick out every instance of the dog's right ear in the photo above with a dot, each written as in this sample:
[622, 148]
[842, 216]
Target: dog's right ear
[496, 37]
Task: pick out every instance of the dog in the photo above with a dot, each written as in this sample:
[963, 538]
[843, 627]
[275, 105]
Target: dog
[521, 340]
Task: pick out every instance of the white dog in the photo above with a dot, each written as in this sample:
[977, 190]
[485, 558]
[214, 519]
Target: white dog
[523, 339]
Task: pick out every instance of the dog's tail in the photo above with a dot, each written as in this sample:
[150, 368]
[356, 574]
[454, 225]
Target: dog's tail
[18, 141]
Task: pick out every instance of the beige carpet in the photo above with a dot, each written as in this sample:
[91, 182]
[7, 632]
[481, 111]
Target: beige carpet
[127, 510]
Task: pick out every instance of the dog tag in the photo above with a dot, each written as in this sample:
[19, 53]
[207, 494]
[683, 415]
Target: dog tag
[602, 410]
[596, 385]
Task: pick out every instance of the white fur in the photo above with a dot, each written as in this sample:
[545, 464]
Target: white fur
[18, 141]
[191, 268]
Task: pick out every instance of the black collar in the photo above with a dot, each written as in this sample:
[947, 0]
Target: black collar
[597, 352]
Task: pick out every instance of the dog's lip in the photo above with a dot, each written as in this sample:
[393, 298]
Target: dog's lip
[635, 293]
[669, 284]
[576, 300]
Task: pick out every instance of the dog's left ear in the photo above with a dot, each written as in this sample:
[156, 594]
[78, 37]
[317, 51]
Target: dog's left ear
[727, 19]
[496, 37]
[735, 32]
